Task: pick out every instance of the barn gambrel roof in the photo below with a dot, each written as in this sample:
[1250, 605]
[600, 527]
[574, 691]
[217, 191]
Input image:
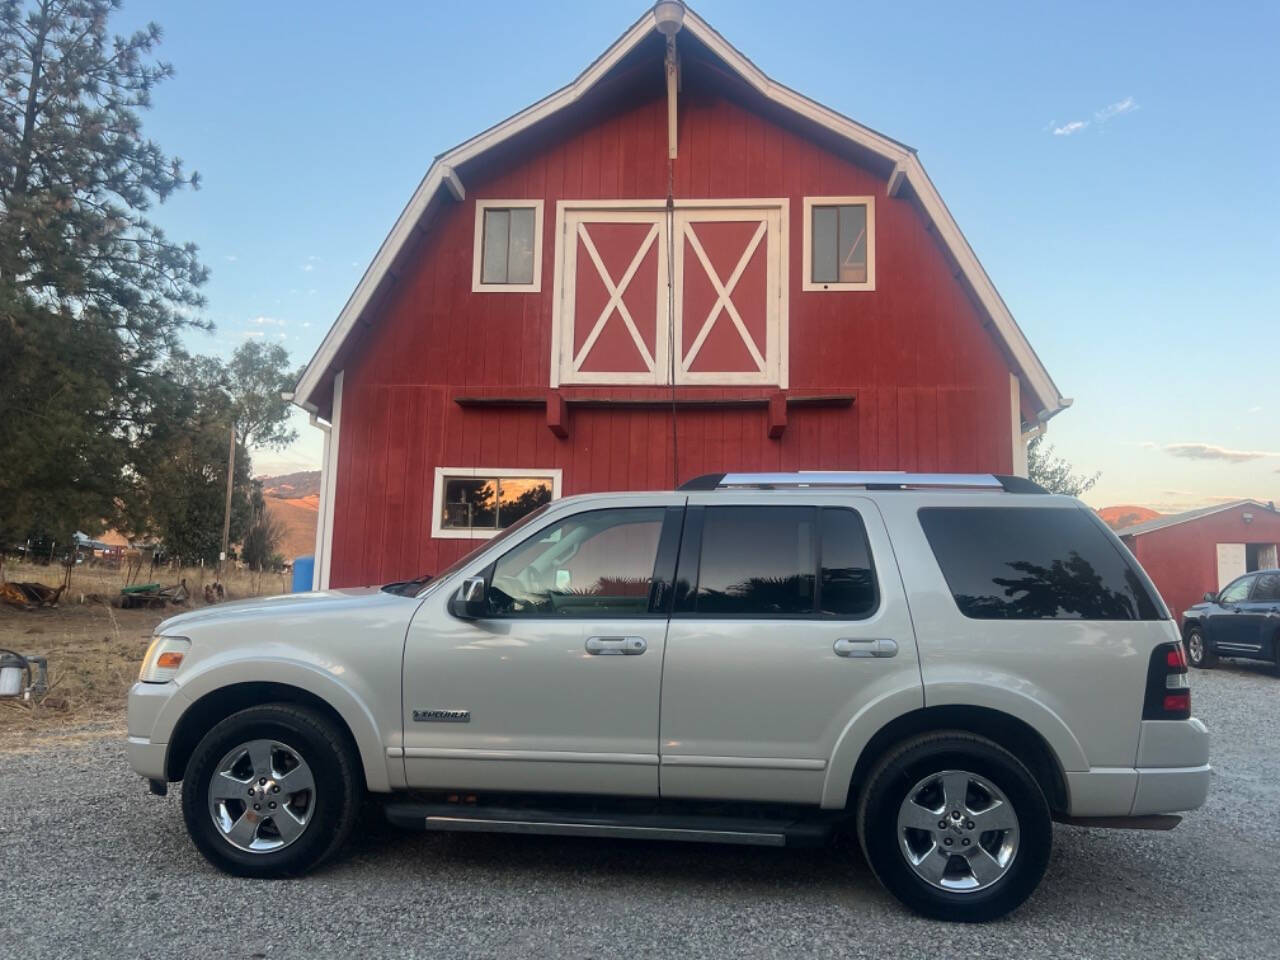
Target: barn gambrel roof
[905, 174]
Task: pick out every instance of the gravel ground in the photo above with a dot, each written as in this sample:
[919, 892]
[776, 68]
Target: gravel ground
[93, 866]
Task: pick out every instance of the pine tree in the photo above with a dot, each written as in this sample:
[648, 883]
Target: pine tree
[93, 295]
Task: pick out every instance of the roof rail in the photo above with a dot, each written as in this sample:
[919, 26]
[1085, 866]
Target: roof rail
[867, 479]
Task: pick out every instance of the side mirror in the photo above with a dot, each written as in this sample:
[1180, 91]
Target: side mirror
[1210, 598]
[470, 602]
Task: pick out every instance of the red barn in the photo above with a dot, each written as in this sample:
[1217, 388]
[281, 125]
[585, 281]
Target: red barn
[673, 265]
[1189, 554]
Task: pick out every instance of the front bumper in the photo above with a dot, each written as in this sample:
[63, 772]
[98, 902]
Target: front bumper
[148, 744]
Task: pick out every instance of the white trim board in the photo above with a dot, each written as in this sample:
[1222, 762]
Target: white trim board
[330, 484]
[906, 167]
[554, 474]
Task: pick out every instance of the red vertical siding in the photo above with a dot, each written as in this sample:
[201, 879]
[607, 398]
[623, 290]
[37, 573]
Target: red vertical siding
[931, 385]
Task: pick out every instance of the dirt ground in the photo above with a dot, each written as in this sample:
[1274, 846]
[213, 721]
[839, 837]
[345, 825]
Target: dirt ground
[94, 650]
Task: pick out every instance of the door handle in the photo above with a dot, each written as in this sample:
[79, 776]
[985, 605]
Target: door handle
[865, 647]
[616, 646]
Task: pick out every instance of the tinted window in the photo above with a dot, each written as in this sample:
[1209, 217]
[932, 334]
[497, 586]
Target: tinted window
[596, 564]
[1268, 588]
[848, 583]
[757, 561]
[1237, 592]
[1005, 563]
[768, 562]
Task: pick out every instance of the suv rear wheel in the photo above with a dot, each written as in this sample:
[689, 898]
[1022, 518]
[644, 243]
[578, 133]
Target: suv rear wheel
[271, 791]
[955, 827]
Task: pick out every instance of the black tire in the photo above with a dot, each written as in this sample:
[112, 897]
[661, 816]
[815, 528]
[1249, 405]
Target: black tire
[1197, 650]
[913, 761]
[334, 804]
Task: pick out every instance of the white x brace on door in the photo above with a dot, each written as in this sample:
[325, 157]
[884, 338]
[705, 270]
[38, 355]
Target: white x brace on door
[612, 319]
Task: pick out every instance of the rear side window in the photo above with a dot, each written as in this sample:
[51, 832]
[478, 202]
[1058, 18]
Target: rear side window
[1037, 563]
[784, 562]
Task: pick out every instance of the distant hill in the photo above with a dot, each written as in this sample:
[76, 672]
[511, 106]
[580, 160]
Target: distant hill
[1117, 518]
[294, 500]
[291, 486]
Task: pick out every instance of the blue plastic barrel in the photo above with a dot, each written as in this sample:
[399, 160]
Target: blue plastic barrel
[303, 569]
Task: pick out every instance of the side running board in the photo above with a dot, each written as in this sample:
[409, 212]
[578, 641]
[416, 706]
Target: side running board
[452, 817]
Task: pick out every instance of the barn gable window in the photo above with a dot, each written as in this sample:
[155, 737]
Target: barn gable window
[839, 243]
[475, 503]
[508, 247]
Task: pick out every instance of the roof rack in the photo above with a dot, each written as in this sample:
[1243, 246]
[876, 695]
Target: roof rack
[867, 480]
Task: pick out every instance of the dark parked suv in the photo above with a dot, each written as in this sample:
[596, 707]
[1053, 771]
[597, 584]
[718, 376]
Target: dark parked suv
[1243, 620]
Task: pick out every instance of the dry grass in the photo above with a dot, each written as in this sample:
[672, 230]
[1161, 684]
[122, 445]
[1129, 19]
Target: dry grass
[94, 651]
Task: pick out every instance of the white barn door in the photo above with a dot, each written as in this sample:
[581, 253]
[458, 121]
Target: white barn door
[612, 297]
[612, 319]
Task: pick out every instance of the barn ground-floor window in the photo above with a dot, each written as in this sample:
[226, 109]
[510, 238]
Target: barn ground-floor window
[478, 502]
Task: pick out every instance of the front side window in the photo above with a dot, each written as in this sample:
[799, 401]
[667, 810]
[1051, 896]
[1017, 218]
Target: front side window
[478, 503]
[596, 564]
[1034, 563]
[1237, 592]
[839, 242]
[508, 254]
[783, 562]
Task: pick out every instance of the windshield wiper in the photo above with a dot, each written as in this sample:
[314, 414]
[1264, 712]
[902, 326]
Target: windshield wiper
[406, 588]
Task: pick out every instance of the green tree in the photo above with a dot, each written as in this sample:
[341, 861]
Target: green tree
[179, 467]
[93, 295]
[1054, 473]
[256, 379]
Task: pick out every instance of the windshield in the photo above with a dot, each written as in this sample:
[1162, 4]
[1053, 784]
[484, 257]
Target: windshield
[407, 588]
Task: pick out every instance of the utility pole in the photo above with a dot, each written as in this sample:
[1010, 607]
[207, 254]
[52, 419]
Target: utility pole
[226, 517]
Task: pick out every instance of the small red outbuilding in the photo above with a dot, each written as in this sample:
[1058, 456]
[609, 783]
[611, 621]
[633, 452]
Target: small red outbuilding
[1190, 554]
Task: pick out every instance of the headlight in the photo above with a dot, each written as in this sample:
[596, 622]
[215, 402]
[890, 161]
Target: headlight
[164, 658]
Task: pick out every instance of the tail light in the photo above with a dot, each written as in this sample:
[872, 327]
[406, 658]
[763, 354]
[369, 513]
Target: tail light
[1168, 690]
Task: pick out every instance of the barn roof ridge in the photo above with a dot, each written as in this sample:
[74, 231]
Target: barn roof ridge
[1173, 519]
[906, 169]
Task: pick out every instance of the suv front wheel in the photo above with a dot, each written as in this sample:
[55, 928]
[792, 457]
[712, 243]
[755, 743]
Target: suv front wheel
[271, 791]
[955, 827]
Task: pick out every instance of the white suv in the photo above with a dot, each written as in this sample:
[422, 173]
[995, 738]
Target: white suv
[943, 663]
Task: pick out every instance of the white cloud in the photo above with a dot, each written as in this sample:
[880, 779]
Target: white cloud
[1107, 113]
[231, 258]
[1254, 410]
[1208, 451]
[1148, 444]
[308, 267]
[306, 323]
[249, 334]
[267, 321]
[1127, 105]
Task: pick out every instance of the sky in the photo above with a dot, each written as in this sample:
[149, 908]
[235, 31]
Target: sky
[1114, 166]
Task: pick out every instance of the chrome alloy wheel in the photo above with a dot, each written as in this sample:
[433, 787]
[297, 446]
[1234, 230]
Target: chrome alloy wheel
[958, 832]
[1195, 648]
[261, 796]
